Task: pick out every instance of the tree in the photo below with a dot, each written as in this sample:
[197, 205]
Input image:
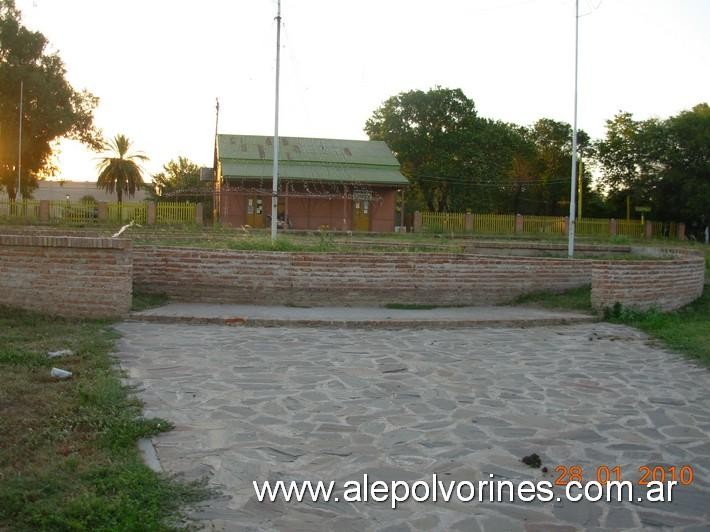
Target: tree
[552, 165]
[683, 190]
[453, 159]
[425, 130]
[664, 164]
[122, 173]
[179, 180]
[52, 109]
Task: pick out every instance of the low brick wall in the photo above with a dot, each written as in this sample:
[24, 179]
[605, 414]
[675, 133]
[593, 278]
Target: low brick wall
[663, 284]
[353, 279]
[94, 277]
[68, 276]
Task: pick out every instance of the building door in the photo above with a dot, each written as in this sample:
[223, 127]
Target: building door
[255, 212]
[361, 215]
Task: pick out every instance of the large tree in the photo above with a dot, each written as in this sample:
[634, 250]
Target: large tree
[122, 172]
[459, 161]
[664, 164]
[425, 131]
[52, 108]
[552, 165]
[453, 159]
[180, 181]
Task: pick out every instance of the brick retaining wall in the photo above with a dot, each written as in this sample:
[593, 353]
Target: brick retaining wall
[68, 276]
[664, 284]
[356, 279]
[93, 277]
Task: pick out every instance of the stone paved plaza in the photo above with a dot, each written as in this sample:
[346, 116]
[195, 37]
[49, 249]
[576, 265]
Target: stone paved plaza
[335, 404]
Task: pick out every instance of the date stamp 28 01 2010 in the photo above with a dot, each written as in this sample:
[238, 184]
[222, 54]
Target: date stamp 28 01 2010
[683, 475]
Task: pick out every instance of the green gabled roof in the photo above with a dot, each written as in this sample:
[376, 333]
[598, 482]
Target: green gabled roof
[333, 160]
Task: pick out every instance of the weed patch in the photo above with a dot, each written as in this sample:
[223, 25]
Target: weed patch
[68, 456]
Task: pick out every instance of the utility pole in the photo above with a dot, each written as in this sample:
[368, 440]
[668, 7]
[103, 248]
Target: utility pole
[275, 184]
[573, 185]
[628, 208]
[216, 198]
[580, 179]
[19, 148]
[216, 118]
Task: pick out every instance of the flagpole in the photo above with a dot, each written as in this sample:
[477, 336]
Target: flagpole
[573, 184]
[275, 184]
[19, 147]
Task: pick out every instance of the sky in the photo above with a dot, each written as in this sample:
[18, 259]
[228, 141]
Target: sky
[158, 65]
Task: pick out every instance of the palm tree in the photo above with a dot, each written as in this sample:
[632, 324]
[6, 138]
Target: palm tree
[123, 173]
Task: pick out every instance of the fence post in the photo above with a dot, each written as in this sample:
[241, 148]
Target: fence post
[468, 222]
[648, 229]
[680, 231]
[417, 221]
[150, 213]
[519, 223]
[613, 227]
[44, 210]
[199, 220]
[565, 225]
[102, 211]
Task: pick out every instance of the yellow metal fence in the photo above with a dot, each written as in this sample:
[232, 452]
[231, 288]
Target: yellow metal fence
[73, 212]
[503, 224]
[544, 224]
[27, 209]
[126, 212]
[632, 228]
[493, 223]
[593, 227]
[175, 212]
[444, 222]
[91, 212]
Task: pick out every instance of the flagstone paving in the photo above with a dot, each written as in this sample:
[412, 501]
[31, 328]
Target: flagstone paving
[335, 404]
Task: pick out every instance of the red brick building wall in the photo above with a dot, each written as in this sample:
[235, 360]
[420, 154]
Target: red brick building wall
[68, 276]
[313, 212]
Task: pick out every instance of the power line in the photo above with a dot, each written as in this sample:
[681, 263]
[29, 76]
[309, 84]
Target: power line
[494, 184]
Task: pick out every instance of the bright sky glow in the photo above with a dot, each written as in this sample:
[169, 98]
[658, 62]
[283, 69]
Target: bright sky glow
[157, 65]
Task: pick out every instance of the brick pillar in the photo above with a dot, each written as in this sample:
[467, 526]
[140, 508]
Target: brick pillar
[199, 216]
[417, 221]
[680, 231]
[150, 215]
[613, 227]
[648, 230]
[468, 222]
[565, 226]
[519, 223]
[102, 211]
[44, 210]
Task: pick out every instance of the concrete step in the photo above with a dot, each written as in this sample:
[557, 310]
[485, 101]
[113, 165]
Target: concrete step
[359, 317]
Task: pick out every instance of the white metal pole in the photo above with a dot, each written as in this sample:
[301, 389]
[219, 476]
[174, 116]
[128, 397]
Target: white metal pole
[275, 185]
[19, 147]
[573, 184]
[216, 118]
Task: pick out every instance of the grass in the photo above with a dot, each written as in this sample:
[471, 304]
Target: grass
[686, 330]
[327, 240]
[324, 242]
[578, 299]
[68, 456]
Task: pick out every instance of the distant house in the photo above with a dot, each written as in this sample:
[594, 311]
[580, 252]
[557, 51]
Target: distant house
[339, 184]
[76, 190]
